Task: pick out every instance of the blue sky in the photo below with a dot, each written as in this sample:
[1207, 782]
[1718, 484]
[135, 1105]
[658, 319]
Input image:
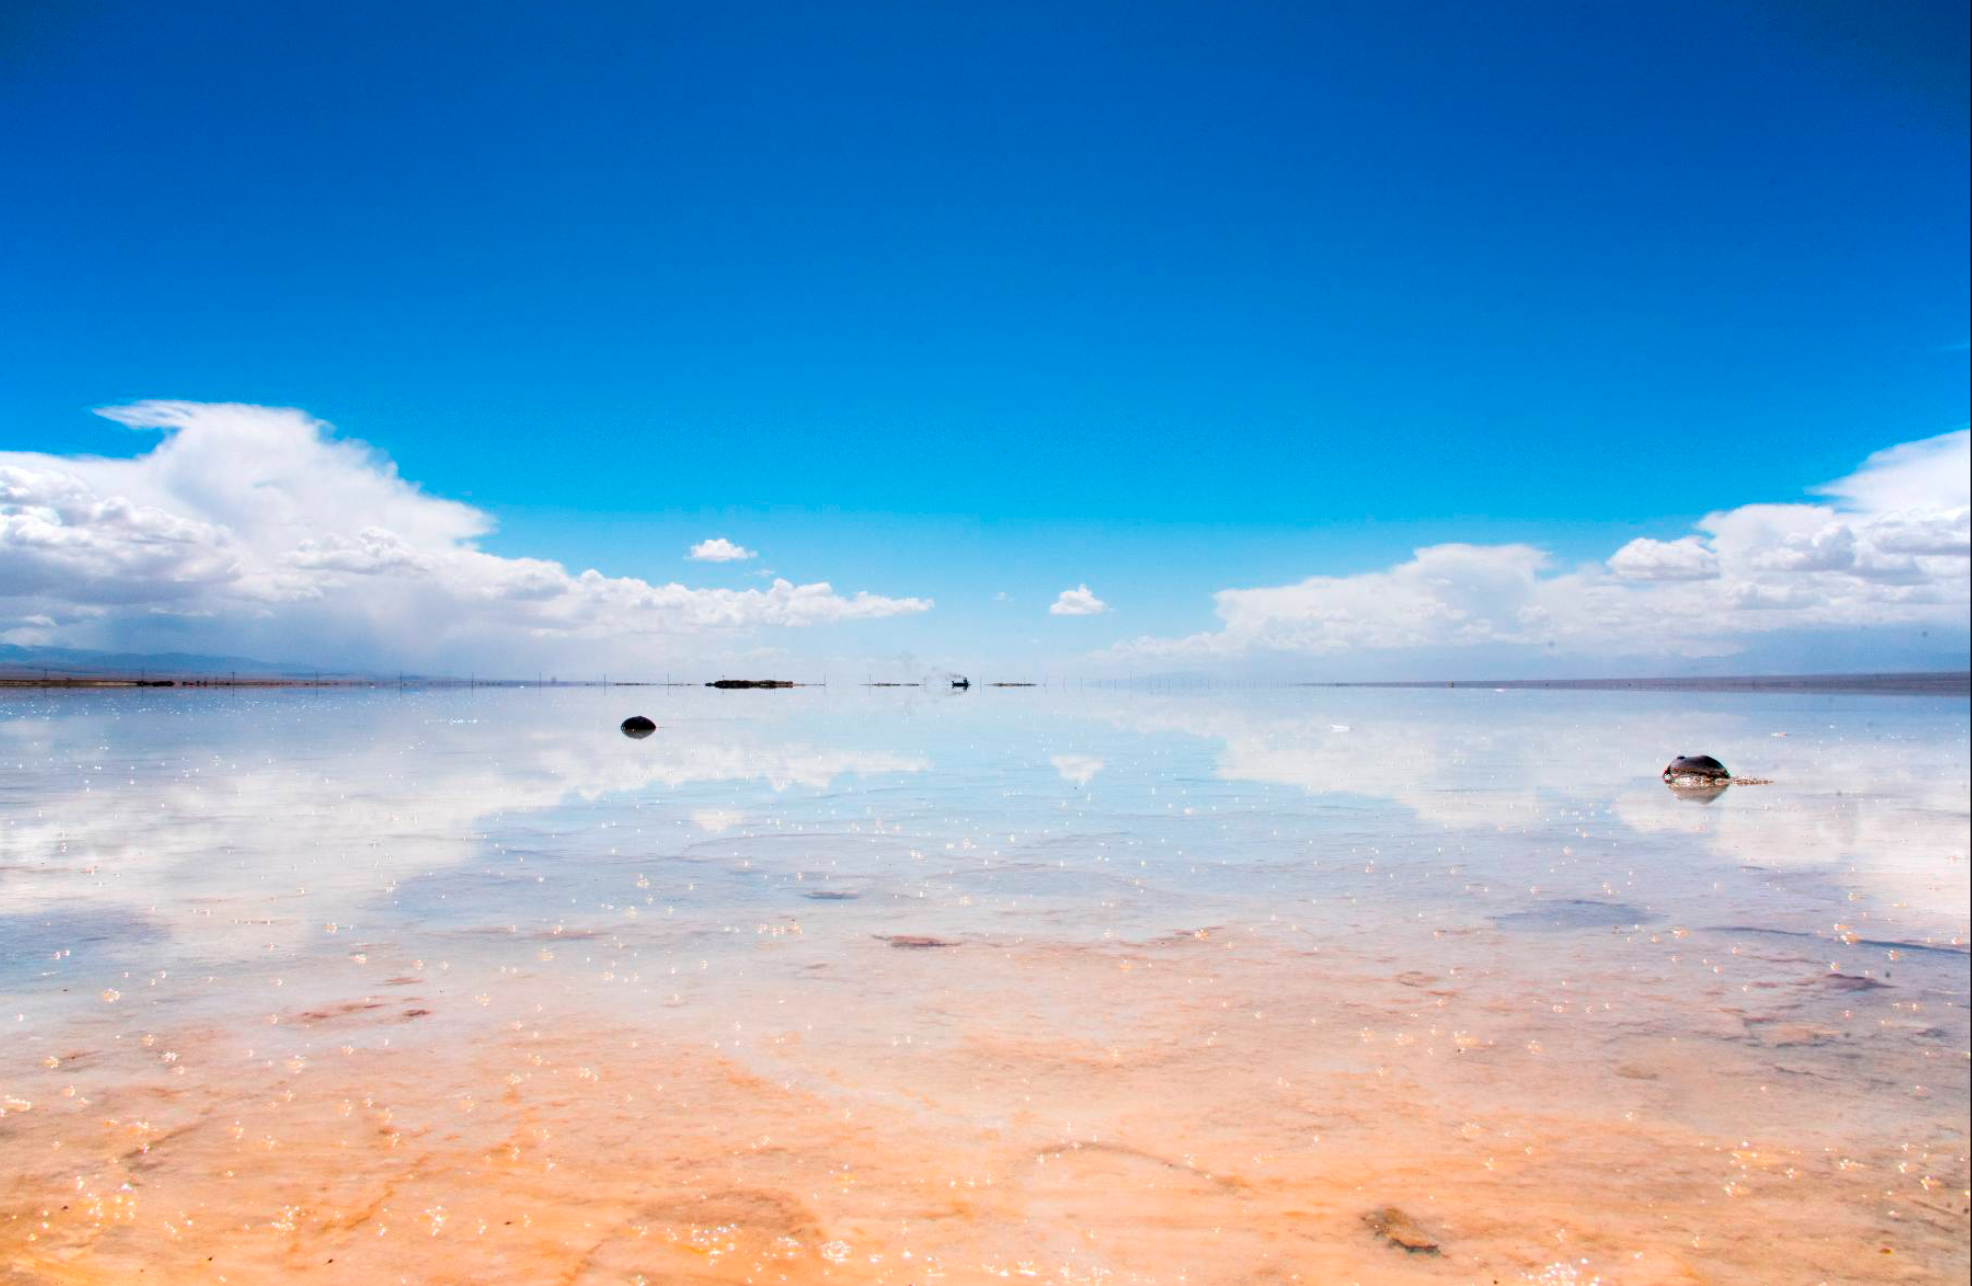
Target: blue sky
[947, 302]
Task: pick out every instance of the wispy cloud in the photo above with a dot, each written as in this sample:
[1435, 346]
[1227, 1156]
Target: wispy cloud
[279, 536]
[1077, 602]
[1893, 547]
[720, 550]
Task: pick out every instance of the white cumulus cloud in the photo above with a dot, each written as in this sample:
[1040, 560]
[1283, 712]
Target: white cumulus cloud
[256, 530]
[1892, 547]
[1077, 602]
[720, 550]
[1686, 558]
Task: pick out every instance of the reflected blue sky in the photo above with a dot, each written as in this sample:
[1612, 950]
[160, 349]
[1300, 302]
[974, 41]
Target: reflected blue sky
[235, 825]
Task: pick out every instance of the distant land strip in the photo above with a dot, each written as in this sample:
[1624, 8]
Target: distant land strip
[1939, 683]
[179, 680]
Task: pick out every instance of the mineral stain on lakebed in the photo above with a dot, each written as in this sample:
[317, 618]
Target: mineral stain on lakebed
[1311, 986]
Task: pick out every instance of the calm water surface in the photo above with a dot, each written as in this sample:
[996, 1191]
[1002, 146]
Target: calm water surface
[902, 986]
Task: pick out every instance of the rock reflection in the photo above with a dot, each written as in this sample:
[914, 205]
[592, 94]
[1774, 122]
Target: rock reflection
[1697, 791]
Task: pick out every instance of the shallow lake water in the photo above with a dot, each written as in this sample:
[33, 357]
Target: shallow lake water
[1299, 985]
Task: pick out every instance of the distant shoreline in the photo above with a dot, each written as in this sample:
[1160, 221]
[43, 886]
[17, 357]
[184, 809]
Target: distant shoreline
[205, 681]
[1943, 683]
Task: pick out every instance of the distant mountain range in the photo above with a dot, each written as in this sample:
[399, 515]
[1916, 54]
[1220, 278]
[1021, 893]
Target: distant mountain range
[80, 661]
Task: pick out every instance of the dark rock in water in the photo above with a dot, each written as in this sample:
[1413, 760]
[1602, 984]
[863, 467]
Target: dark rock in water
[829, 895]
[914, 941]
[1400, 1230]
[638, 726]
[1696, 766]
[730, 684]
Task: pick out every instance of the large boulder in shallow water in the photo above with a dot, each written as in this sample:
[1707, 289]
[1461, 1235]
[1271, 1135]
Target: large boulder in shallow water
[1703, 767]
[638, 726]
